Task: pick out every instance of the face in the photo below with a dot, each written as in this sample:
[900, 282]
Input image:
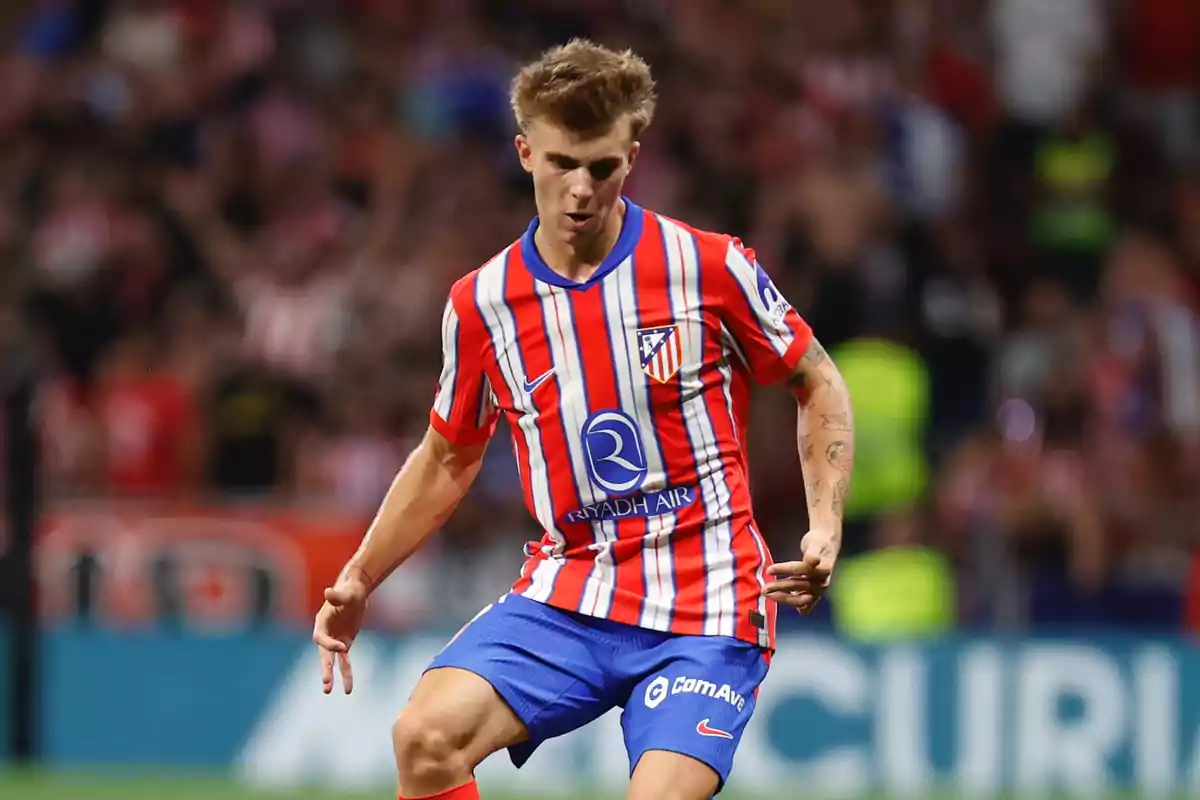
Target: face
[576, 181]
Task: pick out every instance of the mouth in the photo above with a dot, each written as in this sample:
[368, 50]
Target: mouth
[579, 218]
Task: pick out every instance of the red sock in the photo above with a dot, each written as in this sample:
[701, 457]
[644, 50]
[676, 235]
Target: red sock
[468, 791]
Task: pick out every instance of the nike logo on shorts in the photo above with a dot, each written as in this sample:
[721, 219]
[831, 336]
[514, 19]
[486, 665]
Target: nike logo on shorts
[530, 385]
[704, 729]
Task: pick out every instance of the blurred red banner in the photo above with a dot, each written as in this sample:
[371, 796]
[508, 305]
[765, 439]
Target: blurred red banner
[199, 567]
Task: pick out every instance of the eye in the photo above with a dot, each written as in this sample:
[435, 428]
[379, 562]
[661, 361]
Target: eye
[562, 162]
[602, 170]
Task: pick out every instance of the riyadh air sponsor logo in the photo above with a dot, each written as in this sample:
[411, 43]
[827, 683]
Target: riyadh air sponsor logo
[616, 456]
[616, 463]
[650, 504]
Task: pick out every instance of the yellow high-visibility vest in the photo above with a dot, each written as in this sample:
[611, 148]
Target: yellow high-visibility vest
[889, 392]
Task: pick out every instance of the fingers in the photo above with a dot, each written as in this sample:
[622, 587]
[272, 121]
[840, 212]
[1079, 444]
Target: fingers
[347, 674]
[335, 597]
[330, 650]
[790, 568]
[322, 639]
[803, 602]
[326, 669]
[800, 589]
[810, 567]
[796, 585]
[343, 661]
[327, 649]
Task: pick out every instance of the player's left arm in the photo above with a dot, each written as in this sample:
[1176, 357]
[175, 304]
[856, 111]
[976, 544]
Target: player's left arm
[776, 344]
[825, 441]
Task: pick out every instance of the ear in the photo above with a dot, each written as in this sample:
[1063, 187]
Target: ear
[634, 149]
[524, 152]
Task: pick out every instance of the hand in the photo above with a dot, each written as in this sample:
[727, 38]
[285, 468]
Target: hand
[337, 624]
[801, 584]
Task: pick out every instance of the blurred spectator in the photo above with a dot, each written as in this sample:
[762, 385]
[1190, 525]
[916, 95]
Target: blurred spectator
[353, 459]
[149, 433]
[889, 385]
[1160, 51]
[1072, 224]
[899, 590]
[1046, 55]
[253, 421]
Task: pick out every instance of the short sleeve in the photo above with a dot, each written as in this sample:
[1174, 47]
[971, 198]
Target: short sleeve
[464, 407]
[769, 334]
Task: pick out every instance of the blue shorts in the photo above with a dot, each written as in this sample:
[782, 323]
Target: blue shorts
[559, 670]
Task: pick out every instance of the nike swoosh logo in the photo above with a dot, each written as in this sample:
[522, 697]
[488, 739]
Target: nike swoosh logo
[705, 730]
[530, 385]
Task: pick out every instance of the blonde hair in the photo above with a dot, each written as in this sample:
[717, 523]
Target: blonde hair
[585, 88]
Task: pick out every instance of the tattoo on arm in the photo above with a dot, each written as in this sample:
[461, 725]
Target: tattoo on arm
[804, 378]
[836, 422]
[812, 490]
[838, 504]
[834, 453]
[815, 354]
[826, 425]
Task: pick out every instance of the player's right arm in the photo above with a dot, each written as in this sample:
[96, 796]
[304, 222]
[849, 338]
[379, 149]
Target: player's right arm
[423, 495]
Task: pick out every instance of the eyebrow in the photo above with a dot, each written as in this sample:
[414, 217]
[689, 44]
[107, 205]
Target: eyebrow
[566, 159]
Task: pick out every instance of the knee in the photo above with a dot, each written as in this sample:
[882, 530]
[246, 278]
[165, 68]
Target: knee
[663, 775]
[426, 751]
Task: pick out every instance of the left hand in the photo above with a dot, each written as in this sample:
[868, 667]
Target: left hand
[801, 584]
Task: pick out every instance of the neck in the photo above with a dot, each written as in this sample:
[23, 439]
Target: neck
[576, 260]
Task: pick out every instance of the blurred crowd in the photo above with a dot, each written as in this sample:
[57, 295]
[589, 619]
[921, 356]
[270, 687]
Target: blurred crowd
[231, 226]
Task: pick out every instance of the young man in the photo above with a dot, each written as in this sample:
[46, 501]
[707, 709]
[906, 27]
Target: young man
[620, 345]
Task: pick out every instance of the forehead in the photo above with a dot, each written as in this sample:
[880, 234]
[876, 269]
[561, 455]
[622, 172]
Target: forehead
[546, 136]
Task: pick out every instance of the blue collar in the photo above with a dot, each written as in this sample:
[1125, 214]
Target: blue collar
[631, 231]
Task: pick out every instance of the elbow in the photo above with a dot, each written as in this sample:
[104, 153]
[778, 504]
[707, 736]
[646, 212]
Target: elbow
[828, 391]
[462, 461]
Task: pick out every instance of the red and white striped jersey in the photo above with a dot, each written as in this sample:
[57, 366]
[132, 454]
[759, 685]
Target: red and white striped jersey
[627, 397]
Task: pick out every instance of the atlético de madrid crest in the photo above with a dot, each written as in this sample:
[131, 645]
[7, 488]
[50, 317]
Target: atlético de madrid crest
[661, 351]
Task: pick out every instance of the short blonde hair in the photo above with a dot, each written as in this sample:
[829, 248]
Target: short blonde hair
[585, 88]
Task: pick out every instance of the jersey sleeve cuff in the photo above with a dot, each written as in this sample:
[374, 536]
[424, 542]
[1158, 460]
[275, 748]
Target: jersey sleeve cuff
[786, 364]
[459, 434]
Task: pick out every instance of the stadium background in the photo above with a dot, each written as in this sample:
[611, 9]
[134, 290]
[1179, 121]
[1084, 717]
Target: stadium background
[226, 233]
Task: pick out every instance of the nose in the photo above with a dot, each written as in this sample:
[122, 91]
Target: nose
[581, 184]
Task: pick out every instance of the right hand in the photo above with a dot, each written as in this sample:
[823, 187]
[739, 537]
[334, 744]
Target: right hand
[336, 626]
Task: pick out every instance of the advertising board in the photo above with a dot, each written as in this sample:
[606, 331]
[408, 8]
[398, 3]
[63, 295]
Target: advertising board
[978, 714]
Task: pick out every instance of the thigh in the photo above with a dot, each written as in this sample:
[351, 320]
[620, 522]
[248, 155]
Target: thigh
[694, 698]
[547, 667]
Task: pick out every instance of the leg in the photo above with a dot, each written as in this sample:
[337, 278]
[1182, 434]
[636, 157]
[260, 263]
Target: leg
[453, 721]
[520, 673]
[663, 775]
[686, 715]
